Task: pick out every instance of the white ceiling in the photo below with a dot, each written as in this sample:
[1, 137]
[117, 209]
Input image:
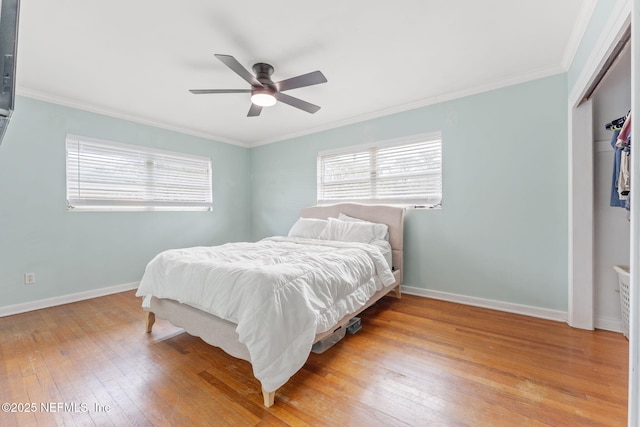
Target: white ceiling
[136, 59]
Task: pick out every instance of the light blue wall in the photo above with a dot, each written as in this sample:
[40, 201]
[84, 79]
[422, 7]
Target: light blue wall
[502, 232]
[78, 251]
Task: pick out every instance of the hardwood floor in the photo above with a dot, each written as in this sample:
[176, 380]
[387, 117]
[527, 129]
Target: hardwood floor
[416, 362]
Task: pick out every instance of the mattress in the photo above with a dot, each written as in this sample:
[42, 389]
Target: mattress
[280, 292]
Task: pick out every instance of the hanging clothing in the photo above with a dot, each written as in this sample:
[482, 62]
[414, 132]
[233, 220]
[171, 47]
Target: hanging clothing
[616, 124]
[617, 153]
[624, 180]
[625, 132]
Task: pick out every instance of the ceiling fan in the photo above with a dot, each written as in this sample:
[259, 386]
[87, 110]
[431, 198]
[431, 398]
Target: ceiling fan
[264, 92]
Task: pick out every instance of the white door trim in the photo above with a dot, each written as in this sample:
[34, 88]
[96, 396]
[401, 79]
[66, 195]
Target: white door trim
[634, 332]
[581, 307]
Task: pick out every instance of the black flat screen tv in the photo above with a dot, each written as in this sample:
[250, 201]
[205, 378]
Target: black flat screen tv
[9, 12]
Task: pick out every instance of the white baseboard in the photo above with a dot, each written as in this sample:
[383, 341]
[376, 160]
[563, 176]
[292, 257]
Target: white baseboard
[543, 313]
[614, 325]
[65, 299]
[608, 324]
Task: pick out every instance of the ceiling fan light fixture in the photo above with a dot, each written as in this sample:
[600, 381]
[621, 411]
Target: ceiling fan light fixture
[263, 98]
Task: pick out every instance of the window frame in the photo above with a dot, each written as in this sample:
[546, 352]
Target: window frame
[421, 202]
[137, 153]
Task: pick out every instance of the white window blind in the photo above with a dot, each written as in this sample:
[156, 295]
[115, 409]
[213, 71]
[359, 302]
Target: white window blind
[405, 172]
[104, 175]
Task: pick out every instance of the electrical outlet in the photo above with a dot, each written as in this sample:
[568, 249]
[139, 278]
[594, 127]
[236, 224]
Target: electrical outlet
[29, 278]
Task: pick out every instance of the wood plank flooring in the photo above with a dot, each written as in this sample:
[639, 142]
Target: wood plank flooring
[416, 361]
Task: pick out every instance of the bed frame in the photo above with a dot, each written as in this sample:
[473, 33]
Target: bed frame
[222, 333]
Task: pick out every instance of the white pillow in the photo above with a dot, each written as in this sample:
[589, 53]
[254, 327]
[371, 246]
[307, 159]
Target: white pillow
[351, 231]
[343, 217]
[381, 230]
[309, 228]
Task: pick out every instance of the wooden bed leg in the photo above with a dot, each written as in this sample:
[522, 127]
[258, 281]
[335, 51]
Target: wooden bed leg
[398, 292]
[269, 397]
[151, 319]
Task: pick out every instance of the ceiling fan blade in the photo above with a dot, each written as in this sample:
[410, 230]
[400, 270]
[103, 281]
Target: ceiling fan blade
[203, 91]
[309, 79]
[237, 67]
[295, 102]
[254, 111]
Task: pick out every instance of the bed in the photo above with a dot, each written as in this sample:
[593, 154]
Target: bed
[265, 333]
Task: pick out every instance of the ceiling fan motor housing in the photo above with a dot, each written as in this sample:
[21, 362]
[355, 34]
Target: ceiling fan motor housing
[263, 75]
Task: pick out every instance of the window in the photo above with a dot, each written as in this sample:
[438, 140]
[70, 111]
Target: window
[103, 175]
[407, 171]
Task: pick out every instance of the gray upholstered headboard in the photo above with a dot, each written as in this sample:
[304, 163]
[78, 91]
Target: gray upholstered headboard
[393, 217]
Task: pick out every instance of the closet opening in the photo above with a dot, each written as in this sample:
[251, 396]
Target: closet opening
[611, 100]
[599, 233]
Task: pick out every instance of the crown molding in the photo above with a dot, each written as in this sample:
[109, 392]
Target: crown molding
[498, 84]
[533, 75]
[68, 102]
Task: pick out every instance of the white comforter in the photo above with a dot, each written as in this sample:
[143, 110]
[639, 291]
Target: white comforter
[280, 292]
